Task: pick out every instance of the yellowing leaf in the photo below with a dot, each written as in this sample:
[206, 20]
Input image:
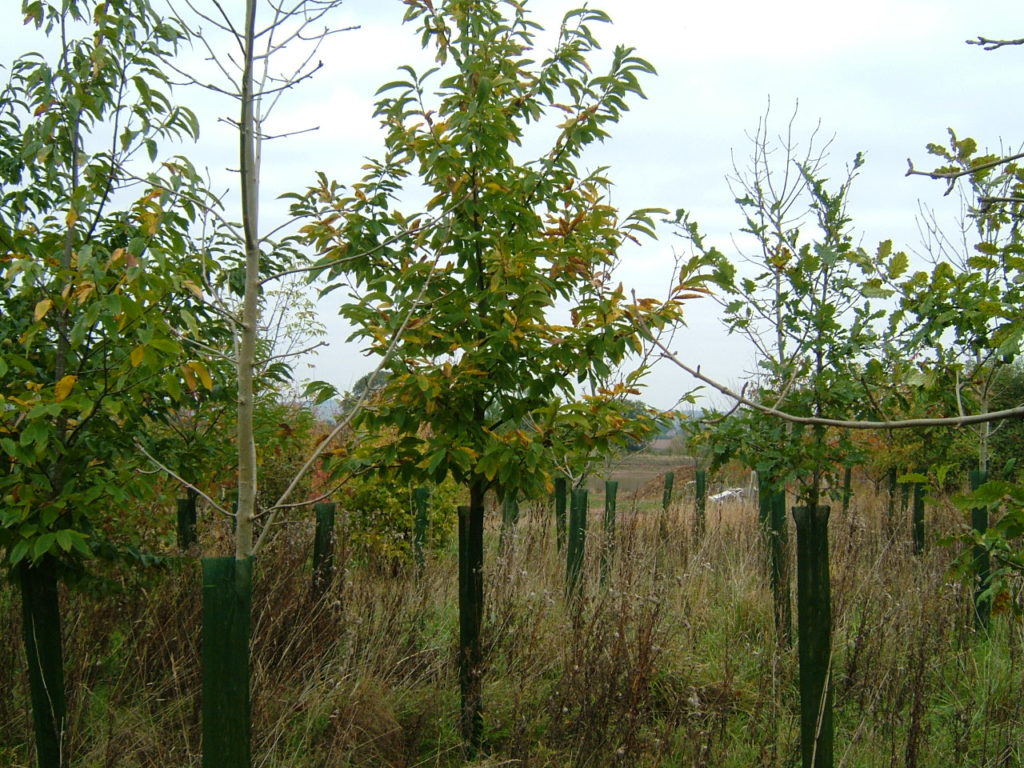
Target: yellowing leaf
[71, 218]
[41, 309]
[64, 387]
[149, 220]
[193, 287]
[190, 379]
[202, 373]
[136, 356]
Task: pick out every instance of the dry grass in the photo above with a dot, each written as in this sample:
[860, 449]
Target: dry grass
[672, 662]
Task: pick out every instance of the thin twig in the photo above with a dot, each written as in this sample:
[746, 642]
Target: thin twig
[181, 480]
[951, 175]
[991, 45]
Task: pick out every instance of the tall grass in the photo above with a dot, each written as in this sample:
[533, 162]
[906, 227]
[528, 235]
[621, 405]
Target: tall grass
[674, 662]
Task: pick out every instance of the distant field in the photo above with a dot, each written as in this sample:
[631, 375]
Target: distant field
[641, 475]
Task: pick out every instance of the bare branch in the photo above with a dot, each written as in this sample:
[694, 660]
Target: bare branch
[181, 480]
[992, 45]
[987, 201]
[297, 132]
[206, 348]
[315, 500]
[953, 421]
[296, 353]
[388, 354]
[952, 175]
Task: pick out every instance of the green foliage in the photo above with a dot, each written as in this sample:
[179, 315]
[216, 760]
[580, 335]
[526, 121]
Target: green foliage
[381, 513]
[804, 307]
[1007, 438]
[967, 310]
[961, 315]
[464, 301]
[99, 275]
[1003, 541]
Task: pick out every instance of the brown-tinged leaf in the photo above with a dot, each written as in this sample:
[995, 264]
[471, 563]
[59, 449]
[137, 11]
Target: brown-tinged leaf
[190, 378]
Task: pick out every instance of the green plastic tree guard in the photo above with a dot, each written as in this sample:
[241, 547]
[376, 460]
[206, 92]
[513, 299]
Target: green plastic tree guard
[471, 601]
[778, 557]
[765, 492]
[847, 488]
[891, 508]
[611, 489]
[666, 501]
[577, 544]
[982, 567]
[421, 501]
[561, 496]
[40, 611]
[509, 518]
[227, 625]
[187, 521]
[323, 547]
[918, 518]
[814, 635]
[700, 501]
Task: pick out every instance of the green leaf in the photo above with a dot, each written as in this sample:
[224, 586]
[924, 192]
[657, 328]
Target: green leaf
[42, 545]
[64, 540]
[898, 265]
[18, 551]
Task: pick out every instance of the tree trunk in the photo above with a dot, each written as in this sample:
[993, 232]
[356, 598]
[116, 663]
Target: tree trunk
[249, 172]
[471, 607]
[40, 611]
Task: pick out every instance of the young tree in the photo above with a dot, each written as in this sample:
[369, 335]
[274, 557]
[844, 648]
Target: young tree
[978, 295]
[97, 270]
[807, 307]
[972, 280]
[467, 314]
[985, 310]
[252, 258]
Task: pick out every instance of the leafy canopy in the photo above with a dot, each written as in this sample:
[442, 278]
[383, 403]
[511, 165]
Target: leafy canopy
[99, 277]
[495, 305]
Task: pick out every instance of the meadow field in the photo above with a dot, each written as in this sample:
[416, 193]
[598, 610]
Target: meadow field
[673, 661]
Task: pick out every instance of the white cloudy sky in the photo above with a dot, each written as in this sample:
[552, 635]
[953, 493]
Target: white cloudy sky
[884, 76]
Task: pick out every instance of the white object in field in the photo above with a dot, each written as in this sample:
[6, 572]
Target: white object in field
[729, 493]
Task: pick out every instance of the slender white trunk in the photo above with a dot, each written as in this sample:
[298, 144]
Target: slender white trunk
[249, 173]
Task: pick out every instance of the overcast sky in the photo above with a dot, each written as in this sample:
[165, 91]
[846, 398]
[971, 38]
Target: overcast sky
[885, 77]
